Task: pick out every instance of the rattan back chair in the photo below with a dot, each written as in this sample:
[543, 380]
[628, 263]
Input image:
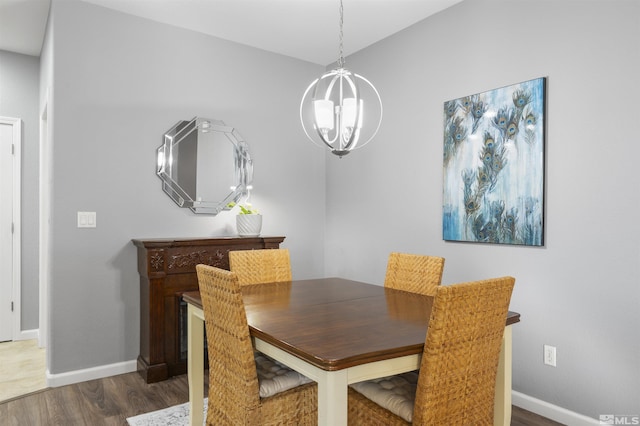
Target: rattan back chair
[457, 377]
[413, 272]
[234, 397]
[261, 266]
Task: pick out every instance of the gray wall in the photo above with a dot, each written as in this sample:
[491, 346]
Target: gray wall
[116, 89]
[581, 291]
[118, 83]
[19, 86]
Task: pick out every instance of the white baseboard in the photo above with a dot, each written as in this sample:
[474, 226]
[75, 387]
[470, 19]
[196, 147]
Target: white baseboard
[29, 335]
[77, 376]
[550, 411]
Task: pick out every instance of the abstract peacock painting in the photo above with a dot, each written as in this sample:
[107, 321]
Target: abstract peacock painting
[494, 166]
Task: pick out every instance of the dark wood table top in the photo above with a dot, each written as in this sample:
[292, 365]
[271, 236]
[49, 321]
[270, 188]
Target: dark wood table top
[334, 323]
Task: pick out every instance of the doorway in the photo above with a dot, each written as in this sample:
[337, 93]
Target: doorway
[10, 161]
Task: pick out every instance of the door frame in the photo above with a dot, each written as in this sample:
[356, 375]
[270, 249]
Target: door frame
[44, 239]
[16, 287]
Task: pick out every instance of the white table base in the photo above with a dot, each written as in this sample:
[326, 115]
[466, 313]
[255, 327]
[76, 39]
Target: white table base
[332, 385]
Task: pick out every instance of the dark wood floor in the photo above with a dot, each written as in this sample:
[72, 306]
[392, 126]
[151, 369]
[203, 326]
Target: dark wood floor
[111, 400]
[521, 417]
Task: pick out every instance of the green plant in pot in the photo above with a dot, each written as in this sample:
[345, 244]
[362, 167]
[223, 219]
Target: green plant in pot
[248, 220]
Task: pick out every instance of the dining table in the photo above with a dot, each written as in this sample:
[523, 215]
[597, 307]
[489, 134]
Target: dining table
[336, 332]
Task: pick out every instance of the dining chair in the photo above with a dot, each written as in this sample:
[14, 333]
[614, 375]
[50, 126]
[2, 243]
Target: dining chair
[457, 378]
[414, 272]
[242, 387]
[261, 266]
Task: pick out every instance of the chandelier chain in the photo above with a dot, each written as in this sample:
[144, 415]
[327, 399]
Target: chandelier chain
[341, 23]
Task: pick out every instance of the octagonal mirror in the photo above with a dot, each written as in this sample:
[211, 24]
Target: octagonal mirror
[204, 165]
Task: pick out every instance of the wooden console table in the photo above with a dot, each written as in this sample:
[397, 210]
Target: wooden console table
[167, 269]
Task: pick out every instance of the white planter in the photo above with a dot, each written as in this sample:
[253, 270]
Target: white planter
[249, 225]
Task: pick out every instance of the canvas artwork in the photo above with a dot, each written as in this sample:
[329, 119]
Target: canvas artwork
[494, 166]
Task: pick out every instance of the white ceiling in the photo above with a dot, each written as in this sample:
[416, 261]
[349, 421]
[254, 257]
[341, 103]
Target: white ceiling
[303, 29]
[22, 25]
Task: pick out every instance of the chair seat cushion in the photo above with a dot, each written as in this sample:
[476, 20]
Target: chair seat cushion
[394, 393]
[274, 377]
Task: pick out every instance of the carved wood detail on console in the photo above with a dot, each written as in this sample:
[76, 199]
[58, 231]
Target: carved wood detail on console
[190, 260]
[156, 260]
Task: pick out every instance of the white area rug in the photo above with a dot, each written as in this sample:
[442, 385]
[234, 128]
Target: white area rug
[178, 415]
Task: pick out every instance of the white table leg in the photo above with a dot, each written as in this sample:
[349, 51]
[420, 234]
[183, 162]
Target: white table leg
[332, 385]
[502, 404]
[332, 398]
[195, 365]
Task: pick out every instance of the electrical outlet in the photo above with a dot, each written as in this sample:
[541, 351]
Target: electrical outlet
[550, 355]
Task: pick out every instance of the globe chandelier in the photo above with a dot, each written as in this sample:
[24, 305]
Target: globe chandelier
[332, 108]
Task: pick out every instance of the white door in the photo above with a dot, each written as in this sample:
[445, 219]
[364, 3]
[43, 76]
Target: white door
[6, 232]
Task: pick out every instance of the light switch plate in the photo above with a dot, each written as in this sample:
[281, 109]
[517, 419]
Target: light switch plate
[86, 219]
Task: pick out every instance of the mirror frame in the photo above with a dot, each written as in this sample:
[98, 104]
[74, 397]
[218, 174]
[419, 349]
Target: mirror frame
[167, 156]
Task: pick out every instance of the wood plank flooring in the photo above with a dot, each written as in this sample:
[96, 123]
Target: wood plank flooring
[22, 368]
[111, 400]
[522, 417]
[107, 401]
